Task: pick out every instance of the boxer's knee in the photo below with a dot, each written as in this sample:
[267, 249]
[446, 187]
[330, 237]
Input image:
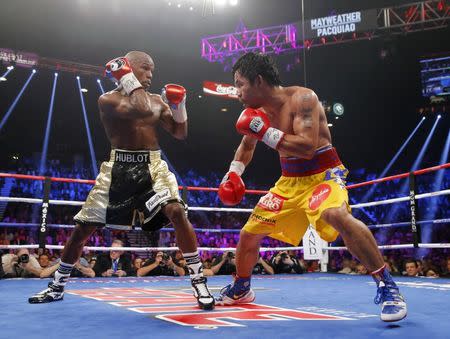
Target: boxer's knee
[337, 217]
[176, 213]
[82, 232]
[249, 240]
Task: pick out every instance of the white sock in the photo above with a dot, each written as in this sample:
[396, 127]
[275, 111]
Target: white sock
[194, 264]
[62, 274]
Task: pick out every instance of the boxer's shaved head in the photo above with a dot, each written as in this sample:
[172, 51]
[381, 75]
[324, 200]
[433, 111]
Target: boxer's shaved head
[143, 67]
[137, 58]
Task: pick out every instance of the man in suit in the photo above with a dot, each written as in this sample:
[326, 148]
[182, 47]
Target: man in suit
[114, 263]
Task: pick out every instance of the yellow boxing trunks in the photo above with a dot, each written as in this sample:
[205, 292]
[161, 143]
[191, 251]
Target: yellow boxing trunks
[131, 189]
[298, 199]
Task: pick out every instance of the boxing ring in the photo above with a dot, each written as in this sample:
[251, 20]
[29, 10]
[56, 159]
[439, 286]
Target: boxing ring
[286, 306]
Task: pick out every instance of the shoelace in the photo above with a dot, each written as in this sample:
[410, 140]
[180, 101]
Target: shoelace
[201, 288]
[386, 293]
[43, 292]
[225, 290]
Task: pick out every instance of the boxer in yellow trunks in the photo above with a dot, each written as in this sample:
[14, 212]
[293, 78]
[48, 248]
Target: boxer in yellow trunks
[299, 198]
[311, 190]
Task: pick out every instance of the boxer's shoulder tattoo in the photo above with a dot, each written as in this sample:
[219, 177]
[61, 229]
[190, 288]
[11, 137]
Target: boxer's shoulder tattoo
[307, 97]
[307, 103]
[307, 120]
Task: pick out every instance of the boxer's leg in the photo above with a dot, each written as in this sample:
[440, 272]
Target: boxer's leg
[361, 243]
[239, 292]
[71, 254]
[187, 242]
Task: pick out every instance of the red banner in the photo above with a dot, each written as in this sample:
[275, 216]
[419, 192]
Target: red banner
[219, 89]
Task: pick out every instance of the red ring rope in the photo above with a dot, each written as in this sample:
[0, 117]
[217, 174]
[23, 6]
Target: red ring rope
[213, 189]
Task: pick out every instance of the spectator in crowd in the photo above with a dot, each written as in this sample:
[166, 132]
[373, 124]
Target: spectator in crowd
[44, 260]
[312, 266]
[392, 268]
[92, 262]
[81, 269]
[208, 270]
[263, 267]
[348, 266]
[432, 272]
[161, 264]
[420, 267]
[137, 264]
[285, 263]
[333, 265]
[447, 270]
[361, 269]
[20, 265]
[226, 263]
[411, 268]
[114, 263]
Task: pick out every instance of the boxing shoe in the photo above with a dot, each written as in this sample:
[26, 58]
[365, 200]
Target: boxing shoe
[201, 293]
[52, 293]
[238, 292]
[393, 305]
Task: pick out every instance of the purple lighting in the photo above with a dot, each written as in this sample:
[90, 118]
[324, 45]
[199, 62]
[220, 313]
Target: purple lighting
[276, 39]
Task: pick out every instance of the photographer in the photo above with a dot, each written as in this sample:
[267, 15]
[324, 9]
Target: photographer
[162, 264]
[114, 263]
[225, 265]
[20, 265]
[81, 269]
[285, 263]
[262, 267]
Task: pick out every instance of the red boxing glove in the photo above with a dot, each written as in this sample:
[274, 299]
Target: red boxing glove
[117, 68]
[174, 93]
[232, 189]
[255, 123]
[120, 69]
[175, 96]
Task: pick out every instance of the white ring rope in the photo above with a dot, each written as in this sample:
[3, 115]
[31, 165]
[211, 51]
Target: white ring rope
[223, 249]
[228, 209]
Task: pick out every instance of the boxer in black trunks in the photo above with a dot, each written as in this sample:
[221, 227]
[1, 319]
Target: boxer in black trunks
[135, 182]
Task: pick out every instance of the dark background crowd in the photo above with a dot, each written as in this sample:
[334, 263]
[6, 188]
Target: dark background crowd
[216, 229]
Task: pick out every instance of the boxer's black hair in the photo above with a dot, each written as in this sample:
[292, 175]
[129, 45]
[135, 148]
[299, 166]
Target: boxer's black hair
[250, 65]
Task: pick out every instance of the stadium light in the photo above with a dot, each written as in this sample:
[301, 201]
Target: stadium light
[88, 130]
[43, 161]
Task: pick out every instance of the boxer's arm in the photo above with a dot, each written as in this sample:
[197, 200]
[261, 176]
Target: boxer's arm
[137, 105]
[176, 129]
[304, 142]
[245, 151]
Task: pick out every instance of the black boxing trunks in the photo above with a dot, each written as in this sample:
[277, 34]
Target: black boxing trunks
[131, 189]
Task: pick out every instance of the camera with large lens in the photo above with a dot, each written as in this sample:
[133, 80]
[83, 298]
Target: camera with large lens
[23, 258]
[165, 257]
[284, 256]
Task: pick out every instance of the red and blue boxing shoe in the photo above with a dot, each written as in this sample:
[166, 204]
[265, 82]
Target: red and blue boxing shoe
[238, 292]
